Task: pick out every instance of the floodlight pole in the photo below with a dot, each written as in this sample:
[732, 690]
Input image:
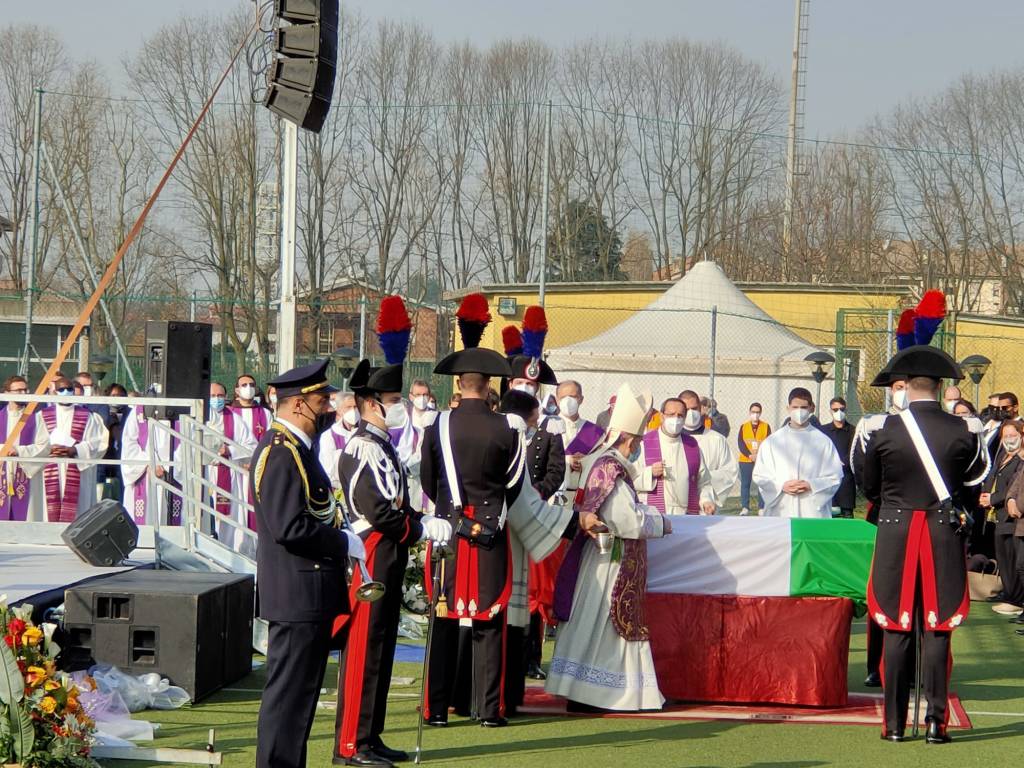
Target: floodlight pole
[34, 247]
[544, 210]
[286, 308]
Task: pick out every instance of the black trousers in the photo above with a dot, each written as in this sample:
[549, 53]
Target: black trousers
[515, 669]
[899, 672]
[366, 663]
[296, 662]
[1018, 548]
[488, 666]
[875, 642]
[1006, 557]
[534, 641]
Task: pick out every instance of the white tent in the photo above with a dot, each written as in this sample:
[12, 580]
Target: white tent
[670, 345]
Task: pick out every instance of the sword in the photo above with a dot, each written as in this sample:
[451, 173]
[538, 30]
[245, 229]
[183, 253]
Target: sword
[917, 679]
[369, 591]
[438, 553]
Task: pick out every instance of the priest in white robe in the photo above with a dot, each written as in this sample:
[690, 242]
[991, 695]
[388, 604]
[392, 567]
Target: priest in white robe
[230, 437]
[144, 499]
[333, 441]
[21, 490]
[581, 439]
[798, 469]
[714, 447]
[69, 431]
[602, 656]
[672, 475]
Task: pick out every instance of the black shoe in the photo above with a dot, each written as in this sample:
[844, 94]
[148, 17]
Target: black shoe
[579, 708]
[894, 736]
[873, 680]
[936, 733]
[394, 755]
[1019, 632]
[493, 722]
[1000, 598]
[1017, 619]
[534, 672]
[437, 721]
[367, 757]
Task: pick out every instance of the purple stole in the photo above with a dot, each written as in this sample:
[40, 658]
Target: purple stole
[587, 439]
[140, 489]
[259, 418]
[62, 507]
[222, 503]
[652, 455]
[339, 440]
[14, 486]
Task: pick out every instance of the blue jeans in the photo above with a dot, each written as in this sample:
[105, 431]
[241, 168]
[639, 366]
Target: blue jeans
[746, 478]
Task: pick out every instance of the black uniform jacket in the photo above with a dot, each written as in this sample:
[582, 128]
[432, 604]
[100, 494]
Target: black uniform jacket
[997, 484]
[913, 531]
[477, 580]
[842, 438]
[545, 457]
[302, 562]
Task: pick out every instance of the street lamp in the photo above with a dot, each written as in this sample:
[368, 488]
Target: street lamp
[821, 363]
[976, 366]
[101, 365]
[345, 359]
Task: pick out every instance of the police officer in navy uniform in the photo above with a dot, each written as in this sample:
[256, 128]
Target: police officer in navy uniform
[376, 494]
[302, 560]
[919, 577]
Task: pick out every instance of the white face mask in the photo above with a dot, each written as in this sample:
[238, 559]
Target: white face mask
[899, 399]
[247, 391]
[1011, 444]
[693, 420]
[839, 415]
[569, 406]
[395, 415]
[87, 390]
[421, 402]
[273, 400]
[755, 417]
[672, 425]
[799, 416]
[350, 418]
[949, 405]
[530, 389]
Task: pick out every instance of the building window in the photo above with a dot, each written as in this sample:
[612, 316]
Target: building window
[325, 338]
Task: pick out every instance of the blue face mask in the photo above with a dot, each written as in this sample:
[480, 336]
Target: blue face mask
[635, 455]
[216, 404]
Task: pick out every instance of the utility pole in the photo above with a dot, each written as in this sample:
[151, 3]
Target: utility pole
[544, 209]
[286, 307]
[34, 246]
[797, 100]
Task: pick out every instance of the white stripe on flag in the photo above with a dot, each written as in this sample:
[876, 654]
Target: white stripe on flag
[722, 556]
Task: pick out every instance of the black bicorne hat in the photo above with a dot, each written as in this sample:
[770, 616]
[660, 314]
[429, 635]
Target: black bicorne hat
[920, 360]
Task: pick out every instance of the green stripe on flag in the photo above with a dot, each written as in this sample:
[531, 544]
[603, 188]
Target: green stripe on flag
[830, 558]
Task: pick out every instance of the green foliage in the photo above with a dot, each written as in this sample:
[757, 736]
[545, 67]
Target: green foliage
[12, 684]
[23, 732]
[583, 246]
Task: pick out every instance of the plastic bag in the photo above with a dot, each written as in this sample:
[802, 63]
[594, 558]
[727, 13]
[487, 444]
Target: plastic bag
[148, 691]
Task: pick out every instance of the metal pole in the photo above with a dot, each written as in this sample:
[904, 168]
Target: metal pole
[286, 308]
[714, 348]
[890, 335]
[787, 220]
[30, 298]
[362, 327]
[88, 265]
[544, 209]
[192, 308]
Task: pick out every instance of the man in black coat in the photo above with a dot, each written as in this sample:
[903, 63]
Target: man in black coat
[918, 578]
[840, 432]
[302, 559]
[376, 496]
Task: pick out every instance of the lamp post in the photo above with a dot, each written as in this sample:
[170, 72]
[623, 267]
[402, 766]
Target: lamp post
[821, 363]
[976, 366]
[345, 360]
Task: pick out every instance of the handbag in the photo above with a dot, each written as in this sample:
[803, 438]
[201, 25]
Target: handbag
[961, 518]
[985, 585]
[476, 532]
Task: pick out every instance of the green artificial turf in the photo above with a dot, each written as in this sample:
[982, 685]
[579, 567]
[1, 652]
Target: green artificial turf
[986, 675]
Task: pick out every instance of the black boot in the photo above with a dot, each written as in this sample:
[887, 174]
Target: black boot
[936, 733]
[873, 680]
[534, 672]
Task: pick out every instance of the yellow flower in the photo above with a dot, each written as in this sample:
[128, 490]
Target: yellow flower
[32, 636]
[51, 685]
[48, 704]
[34, 676]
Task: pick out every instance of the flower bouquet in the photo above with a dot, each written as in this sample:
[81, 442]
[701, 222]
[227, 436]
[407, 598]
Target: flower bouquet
[414, 596]
[42, 722]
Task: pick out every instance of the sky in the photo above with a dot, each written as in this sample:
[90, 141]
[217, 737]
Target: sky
[865, 56]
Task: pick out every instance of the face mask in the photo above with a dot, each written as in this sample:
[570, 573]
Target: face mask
[755, 417]
[950, 405]
[273, 400]
[395, 415]
[86, 391]
[839, 415]
[247, 392]
[350, 417]
[569, 406]
[899, 400]
[420, 402]
[634, 455]
[693, 420]
[672, 425]
[431, 406]
[1011, 444]
[217, 404]
[530, 389]
[799, 416]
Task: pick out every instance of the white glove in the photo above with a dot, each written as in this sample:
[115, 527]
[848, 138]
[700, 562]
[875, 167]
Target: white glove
[356, 548]
[437, 530]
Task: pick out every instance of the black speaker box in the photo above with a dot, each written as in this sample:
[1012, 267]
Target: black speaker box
[178, 356]
[104, 535]
[194, 628]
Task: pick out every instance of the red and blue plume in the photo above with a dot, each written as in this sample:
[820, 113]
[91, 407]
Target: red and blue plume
[535, 329]
[905, 330]
[473, 316]
[393, 329]
[930, 313]
[512, 340]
